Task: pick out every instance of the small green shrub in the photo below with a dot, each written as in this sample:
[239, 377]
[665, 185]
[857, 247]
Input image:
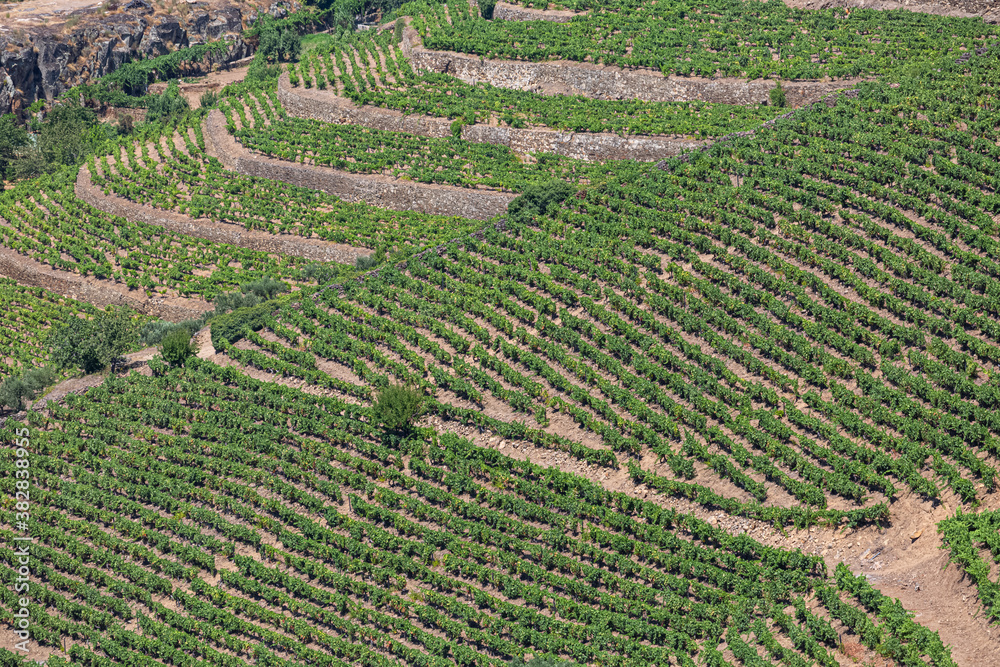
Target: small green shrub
[168, 104]
[397, 30]
[397, 406]
[778, 96]
[15, 391]
[366, 262]
[539, 199]
[250, 294]
[177, 347]
[229, 328]
[486, 8]
[153, 333]
[209, 99]
[456, 128]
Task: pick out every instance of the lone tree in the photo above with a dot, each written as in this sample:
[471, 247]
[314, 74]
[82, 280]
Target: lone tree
[398, 406]
[91, 345]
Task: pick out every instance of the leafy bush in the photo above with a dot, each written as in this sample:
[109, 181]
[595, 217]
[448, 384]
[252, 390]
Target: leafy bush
[778, 96]
[259, 72]
[90, 345]
[397, 406]
[279, 43]
[266, 288]
[366, 262]
[125, 124]
[168, 104]
[539, 199]
[68, 133]
[229, 328]
[486, 9]
[12, 139]
[456, 128]
[177, 347]
[209, 99]
[250, 294]
[321, 273]
[16, 390]
[152, 333]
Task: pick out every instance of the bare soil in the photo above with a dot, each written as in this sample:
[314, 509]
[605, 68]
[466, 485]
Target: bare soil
[214, 81]
[35, 12]
[987, 9]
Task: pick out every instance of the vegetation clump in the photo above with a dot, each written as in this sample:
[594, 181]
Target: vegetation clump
[398, 406]
[777, 96]
[177, 347]
[94, 344]
[14, 391]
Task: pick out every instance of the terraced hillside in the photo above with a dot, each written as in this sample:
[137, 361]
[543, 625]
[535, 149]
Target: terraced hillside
[702, 382]
[733, 38]
[30, 314]
[430, 551]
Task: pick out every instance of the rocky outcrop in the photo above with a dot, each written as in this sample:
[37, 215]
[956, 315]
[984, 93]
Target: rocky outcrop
[43, 62]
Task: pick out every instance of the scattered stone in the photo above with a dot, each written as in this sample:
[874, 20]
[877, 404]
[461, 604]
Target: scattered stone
[139, 7]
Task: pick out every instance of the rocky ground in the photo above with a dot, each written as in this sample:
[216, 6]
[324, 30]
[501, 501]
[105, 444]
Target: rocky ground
[49, 46]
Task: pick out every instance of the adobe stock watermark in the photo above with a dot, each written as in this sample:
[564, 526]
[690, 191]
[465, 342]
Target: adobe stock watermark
[22, 542]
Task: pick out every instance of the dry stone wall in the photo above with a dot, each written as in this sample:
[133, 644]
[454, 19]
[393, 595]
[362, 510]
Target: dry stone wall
[27, 271]
[606, 82]
[328, 107]
[380, 191]
[279, 244]
[506, 12]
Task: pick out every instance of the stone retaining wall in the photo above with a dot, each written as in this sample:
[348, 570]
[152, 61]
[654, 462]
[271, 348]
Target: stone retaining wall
[328, 107]
[380, 191]
[606, 82]
[28, 271]
[279, 244]
[506, 12]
